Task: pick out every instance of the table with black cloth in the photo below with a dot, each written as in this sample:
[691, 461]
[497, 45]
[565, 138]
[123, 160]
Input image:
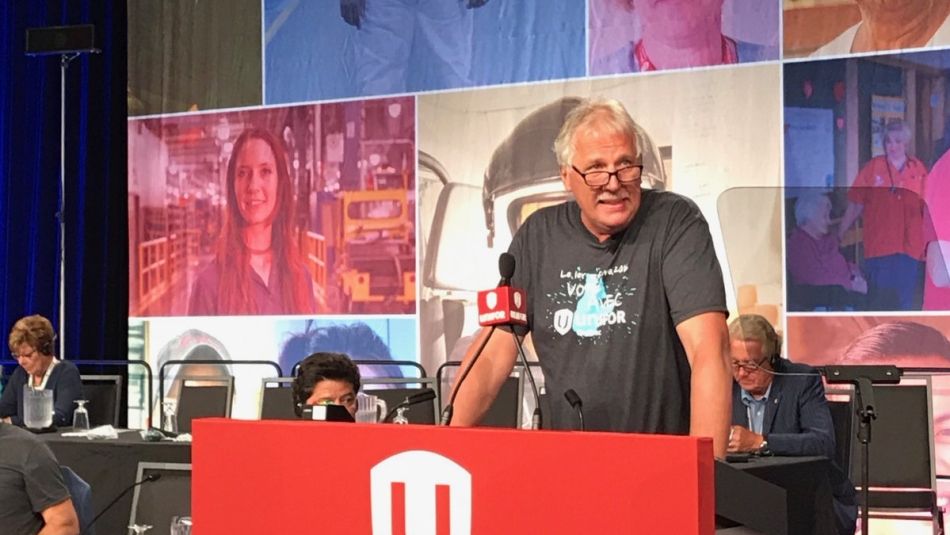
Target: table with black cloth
[109, 466]
[807, 499]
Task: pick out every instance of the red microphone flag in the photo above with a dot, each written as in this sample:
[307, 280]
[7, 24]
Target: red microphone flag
[503, 305]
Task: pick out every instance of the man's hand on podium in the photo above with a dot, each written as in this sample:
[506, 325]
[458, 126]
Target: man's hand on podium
[742, 440]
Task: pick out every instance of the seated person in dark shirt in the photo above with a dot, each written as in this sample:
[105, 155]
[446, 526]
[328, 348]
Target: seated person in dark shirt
[822, 276]
[33, 496]
[326, 378]
[32, 342]
[779, 407]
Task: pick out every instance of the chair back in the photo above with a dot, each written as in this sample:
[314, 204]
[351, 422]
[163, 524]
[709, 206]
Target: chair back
[277, 399]
[901, 469]
[204, 398]
[104, 393]
[81, 494]
[156, 503]
[842, 416]
[902, 447]
[505, 411]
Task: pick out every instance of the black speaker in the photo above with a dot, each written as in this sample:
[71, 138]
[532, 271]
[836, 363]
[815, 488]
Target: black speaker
[61, 40]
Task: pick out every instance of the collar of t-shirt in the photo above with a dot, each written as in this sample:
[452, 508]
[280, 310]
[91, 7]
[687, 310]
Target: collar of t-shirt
[49, 371]
[755, 409]
[613, 242]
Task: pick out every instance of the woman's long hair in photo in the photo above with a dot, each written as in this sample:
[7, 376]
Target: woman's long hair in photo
[234, 291]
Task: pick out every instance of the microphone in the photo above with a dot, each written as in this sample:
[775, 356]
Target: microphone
[503, 305]
[147, 479]
[506, 267]
[495, 307]
[414, 399]
[507, 306]
[571, 396]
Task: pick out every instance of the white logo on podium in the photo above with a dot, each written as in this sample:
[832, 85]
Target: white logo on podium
[491, 300]
[517, 300]
[420, 471]
[563, 320]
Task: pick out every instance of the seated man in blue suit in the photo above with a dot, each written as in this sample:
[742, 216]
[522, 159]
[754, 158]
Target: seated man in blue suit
[779, 407]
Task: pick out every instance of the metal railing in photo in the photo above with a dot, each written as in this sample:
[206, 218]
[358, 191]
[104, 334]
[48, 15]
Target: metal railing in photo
[314, 251]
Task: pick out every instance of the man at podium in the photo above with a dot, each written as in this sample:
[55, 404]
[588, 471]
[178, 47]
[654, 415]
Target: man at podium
[626, 303]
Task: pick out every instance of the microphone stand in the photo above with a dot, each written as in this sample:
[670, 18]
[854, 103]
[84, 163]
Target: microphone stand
[447, 412]
[506, 267]
[415, 399]
[864, 393]
[864, 378]
[147, 479]
[536, 416]
[575, 401]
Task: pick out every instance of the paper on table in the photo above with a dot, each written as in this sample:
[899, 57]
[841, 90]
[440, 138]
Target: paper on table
[102, 432]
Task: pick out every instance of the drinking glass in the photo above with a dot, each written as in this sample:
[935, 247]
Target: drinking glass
[138, 529]
[81, 416]
[181, 525]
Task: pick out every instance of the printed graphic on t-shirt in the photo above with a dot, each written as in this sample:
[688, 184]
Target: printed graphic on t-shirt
[592, 304]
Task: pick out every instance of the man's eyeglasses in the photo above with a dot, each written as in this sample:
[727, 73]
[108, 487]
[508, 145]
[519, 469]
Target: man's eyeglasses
[747, 366]
[625, 175]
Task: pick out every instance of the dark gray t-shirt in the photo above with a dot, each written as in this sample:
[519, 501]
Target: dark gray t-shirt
[30, 481]
[603, 315]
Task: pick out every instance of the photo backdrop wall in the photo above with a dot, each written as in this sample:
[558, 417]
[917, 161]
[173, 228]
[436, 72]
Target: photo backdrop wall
[396, 165]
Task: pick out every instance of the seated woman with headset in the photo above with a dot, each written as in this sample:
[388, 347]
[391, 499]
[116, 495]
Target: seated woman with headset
[31, 343]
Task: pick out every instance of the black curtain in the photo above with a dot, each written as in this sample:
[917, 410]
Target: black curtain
[96, 318]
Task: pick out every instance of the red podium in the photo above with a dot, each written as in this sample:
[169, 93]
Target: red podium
[268, 477]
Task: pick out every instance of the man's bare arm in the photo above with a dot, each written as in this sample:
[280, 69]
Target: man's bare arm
[60, 519]
[706, 340]
[484, 381]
